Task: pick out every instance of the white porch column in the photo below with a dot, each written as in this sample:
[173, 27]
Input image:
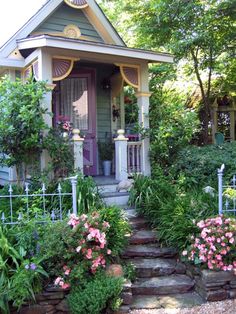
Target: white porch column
[143, 104]
[45, 74]
[78, 150]
[121, 156]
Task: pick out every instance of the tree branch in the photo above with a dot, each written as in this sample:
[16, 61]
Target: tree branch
[196, 69]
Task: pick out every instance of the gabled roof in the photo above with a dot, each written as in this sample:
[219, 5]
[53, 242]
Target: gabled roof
[92, 11]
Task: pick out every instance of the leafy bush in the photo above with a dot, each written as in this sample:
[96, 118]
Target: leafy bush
[214, 245]
[22, 121]
[172, 125]
[97, 295]
[61, 153]
[172, 210]
[197, 166]
[94, 239]
[119, 228]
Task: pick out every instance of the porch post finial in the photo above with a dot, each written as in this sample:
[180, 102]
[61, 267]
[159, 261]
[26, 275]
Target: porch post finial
[121, 156]
[78, 150]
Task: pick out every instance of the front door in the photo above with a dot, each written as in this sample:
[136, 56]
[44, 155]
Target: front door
[76, 98]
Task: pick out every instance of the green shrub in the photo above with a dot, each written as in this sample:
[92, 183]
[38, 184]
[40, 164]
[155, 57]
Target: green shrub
[96, 296]
[21, 122]
[172, 125]
[197, 166]
[65, 239]
[170, 209]
[119, 228]
[61, 153]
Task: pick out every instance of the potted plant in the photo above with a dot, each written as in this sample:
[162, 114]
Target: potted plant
[106, 155]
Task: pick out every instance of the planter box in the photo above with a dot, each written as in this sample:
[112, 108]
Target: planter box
[213, 285]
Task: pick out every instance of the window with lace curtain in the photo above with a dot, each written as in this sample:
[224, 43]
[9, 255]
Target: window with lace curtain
[74, 101]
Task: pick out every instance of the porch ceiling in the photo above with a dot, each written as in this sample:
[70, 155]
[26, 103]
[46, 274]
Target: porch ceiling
[110, 52]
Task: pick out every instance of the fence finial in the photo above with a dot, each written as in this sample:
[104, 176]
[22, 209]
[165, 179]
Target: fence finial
[221, 168]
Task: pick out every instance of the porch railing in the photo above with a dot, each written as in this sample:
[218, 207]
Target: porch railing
[226, 194]
[12, 215]
[134, 157]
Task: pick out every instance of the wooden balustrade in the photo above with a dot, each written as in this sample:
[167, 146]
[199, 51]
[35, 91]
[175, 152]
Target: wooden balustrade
[134, 157]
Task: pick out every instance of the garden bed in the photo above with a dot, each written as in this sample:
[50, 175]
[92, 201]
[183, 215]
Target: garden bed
[213, 285]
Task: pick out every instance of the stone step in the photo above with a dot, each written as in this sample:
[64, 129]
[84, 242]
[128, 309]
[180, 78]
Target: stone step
[172, 284]
[107, 188]
[130, 213]
[148, 251]
[184, 300]
[143, 237]
[153, 267]
[138, 223]
[116, 198]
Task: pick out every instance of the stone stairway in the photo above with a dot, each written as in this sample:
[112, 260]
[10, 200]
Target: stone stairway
[161, 280]
[107, 187]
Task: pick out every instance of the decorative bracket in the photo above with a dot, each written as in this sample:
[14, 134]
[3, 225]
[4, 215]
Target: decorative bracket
[130, 74]
[61, 68]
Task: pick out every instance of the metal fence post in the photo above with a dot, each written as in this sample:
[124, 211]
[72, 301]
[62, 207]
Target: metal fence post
[74, 194]
[220, 188]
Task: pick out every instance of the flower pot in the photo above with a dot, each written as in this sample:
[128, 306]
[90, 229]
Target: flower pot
[106, 167]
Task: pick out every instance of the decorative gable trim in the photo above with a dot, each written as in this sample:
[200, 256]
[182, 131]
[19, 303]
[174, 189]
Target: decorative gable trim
[77, 4]
[92, 11]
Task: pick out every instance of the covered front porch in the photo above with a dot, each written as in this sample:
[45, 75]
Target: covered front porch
[86, 83]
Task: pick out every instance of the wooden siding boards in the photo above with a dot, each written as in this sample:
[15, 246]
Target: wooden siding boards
[103, 102]
[66, 15]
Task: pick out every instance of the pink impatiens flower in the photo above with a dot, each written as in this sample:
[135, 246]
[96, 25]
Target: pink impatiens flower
[89, 254]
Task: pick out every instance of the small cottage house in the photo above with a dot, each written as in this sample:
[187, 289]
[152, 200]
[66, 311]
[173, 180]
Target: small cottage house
[72, 45]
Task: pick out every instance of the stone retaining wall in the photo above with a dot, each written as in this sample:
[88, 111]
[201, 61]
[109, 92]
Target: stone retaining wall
[213, 285]
[53, 301]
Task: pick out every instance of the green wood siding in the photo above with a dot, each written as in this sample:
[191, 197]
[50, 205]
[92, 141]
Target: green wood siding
[103, 103]
[66, 15]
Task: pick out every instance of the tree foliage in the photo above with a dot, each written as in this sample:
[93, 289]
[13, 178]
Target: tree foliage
[172, 124]
[201, 32]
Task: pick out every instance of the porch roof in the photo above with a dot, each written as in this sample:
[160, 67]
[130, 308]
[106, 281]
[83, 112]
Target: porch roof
[92, 47]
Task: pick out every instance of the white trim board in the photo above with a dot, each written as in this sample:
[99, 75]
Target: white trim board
[84, 46]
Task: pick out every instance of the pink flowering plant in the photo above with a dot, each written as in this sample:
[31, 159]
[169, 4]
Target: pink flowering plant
[87, 248]
[214, 247]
